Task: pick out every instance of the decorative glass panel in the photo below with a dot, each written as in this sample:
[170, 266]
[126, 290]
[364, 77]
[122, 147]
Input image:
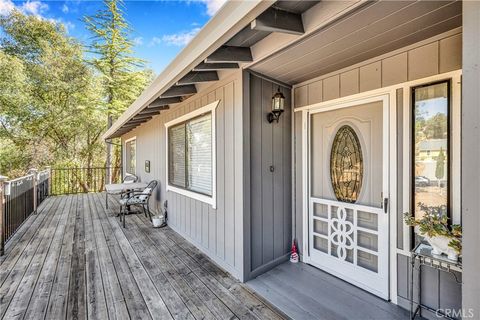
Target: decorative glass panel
[346, 165]
[431, 147]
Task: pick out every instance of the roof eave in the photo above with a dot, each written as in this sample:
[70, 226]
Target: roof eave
[229, 20]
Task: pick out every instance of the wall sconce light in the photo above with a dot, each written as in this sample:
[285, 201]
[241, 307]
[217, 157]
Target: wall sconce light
[278, 105]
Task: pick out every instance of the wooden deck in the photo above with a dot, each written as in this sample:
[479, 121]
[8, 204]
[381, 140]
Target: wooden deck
[73, 260]
[304, 292]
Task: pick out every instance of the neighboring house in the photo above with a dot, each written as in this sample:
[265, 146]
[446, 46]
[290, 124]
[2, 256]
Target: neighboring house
[430, 148]
[242, 189]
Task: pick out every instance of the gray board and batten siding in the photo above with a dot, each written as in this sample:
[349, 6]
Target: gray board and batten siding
[217, 232]
[437, 55]
[269, 182]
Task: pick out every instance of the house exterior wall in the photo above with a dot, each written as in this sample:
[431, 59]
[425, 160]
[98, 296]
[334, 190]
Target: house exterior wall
[218, 232]
[270, 192]
[431, 57]
[471, 158]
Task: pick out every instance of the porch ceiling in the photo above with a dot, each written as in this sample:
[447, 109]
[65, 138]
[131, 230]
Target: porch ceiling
[370, 31]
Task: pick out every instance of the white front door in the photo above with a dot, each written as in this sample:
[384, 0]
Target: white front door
[348, 192]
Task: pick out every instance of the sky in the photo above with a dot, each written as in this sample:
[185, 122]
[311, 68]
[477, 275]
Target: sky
[160, 28]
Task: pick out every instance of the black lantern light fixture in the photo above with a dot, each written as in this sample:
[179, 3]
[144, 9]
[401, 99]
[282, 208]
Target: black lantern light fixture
[278, 105]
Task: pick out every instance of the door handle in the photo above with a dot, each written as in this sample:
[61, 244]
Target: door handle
[385, 205]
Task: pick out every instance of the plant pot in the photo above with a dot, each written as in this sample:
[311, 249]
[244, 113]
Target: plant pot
[440, 246]
[157, 221]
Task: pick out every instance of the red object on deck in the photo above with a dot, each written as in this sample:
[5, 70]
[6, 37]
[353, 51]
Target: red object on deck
[294, 255]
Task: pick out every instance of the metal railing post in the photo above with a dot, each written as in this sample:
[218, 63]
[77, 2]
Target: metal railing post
[35, 186]
[2, 215]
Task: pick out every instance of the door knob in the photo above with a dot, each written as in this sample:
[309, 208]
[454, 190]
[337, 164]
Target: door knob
[385, 205]
[272, 168]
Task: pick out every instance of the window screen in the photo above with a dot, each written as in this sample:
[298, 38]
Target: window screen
[190, 154]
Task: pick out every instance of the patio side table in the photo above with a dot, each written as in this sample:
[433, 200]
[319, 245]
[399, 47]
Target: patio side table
[422, 254]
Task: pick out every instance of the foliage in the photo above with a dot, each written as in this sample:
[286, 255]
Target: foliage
[54, 103]
[50, 106]
[122, 75]
[440, 167]
[434, 223]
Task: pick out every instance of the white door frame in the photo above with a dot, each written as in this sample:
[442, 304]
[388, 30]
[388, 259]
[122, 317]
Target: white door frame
[388, 97]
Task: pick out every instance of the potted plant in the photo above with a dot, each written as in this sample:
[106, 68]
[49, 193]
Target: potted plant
[433, 226]
[158, 220]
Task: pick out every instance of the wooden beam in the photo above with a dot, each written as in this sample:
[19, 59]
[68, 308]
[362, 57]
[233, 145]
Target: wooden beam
[164, 102]
[198, 76]
[139, 121]
[215, 66]
[230, 54]
[179, 91]
[152, 111]
[142, 117]
[158, 108]
[276, 20]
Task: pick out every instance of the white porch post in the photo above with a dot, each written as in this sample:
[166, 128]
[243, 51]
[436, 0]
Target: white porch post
[471, 159]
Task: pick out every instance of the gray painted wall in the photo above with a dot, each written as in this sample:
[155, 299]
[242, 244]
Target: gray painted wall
[440, 55]
[439, 289]
[471, 157]
[217, 232]
[270, 192]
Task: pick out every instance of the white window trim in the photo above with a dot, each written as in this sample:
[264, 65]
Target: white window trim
[125, 155]
[188, 193]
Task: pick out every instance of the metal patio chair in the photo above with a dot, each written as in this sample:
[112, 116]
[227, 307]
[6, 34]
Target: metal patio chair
[137, 198]
[129, 178]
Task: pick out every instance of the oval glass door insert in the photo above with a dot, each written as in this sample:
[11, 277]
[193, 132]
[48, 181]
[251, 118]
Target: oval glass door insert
[346, 165]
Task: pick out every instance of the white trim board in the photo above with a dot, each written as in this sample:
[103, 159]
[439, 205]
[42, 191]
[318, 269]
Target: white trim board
[191, 194]
[124, 156]
[386, 98]
[455, 77]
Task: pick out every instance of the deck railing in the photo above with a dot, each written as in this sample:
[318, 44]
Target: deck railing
[19, 198]
[82, 180]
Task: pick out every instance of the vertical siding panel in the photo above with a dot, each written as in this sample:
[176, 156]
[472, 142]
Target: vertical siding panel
[211, 97]
[256, 115]
[204, 102]
[331, 88]
[278, 178]
[199, 209]
[238, 161]
[212, 229]
[267, 182]
[229, 176]
[204, 224]
[220, 129]
[287, 173]
[298, 180]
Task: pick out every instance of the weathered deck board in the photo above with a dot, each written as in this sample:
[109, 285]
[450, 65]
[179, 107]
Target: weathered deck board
[73, 260]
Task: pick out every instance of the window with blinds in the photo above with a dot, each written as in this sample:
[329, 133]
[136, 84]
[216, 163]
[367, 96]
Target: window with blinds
[130, 156]
[190, 154]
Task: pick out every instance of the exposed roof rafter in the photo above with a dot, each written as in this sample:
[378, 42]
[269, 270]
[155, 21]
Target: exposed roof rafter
[230, 54]
[179, 91]
[198, 76]
[276, 20]
[215, 66]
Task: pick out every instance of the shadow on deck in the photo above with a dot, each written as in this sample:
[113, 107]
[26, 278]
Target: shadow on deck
[304, 292]
[74, 260]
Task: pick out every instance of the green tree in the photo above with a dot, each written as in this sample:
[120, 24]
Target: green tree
[123, 76]
[50, 111]
[440, 167]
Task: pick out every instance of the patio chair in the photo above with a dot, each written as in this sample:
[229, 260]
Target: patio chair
[129, 178]
[137, 198]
